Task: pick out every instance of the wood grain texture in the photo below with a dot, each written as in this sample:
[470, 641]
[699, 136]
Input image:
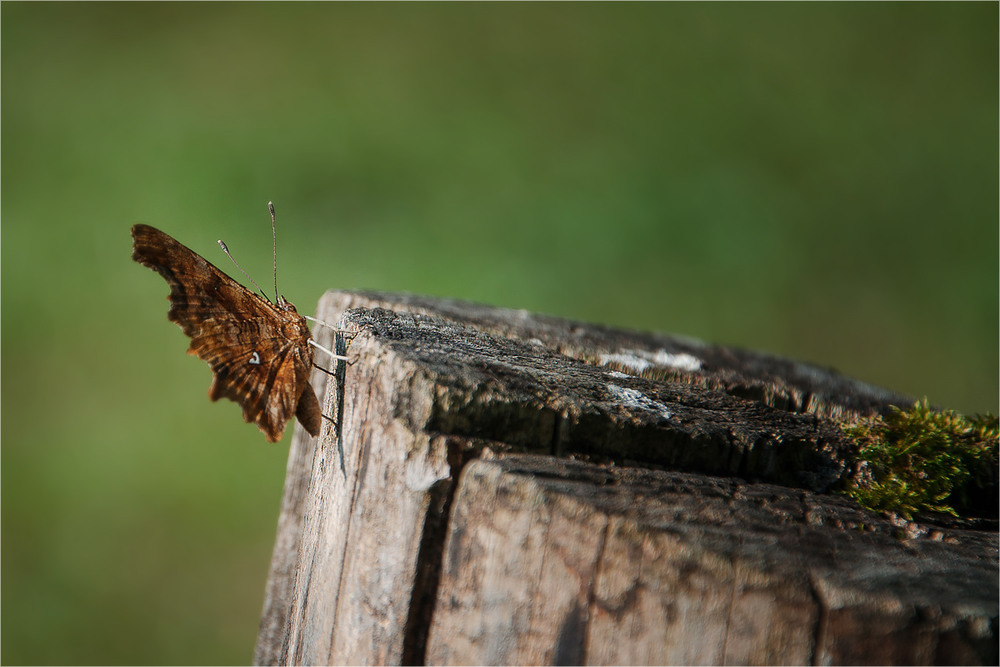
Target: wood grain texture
[560, 562]
[775, 381]
[488, 498]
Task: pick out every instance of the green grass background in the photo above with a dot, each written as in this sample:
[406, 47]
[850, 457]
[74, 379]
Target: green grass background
[815, 180]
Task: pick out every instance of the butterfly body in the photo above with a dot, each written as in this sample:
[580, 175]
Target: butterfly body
[259, 351]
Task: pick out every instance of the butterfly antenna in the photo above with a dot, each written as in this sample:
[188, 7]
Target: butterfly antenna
[228, 254]
[274, 239]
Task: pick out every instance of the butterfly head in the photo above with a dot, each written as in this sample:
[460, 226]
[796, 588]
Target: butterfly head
[285, 304]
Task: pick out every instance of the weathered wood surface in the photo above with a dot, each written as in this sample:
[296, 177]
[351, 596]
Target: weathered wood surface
[778, 382]
[560, 562]
[444, 521]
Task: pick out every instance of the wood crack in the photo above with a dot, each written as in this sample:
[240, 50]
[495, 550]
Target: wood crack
[430, 556]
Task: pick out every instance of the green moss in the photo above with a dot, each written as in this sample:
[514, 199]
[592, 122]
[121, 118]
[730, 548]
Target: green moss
[923, 460]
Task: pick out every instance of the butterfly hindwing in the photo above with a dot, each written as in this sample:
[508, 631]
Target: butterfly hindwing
[268, 379]
[258, 351]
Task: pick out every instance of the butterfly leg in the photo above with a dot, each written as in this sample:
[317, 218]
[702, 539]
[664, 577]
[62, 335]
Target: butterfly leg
[332, 355]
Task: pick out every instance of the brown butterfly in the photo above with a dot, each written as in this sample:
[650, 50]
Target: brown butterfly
[258, 350]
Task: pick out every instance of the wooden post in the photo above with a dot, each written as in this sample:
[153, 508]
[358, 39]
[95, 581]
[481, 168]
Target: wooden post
[508, 488]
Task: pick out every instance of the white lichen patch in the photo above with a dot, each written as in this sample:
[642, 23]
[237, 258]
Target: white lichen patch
[618, 374]
[640, 360]
[635, 399]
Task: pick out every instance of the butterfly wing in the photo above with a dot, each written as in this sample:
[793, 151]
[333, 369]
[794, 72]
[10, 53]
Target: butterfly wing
[268, 375]
[259, 353]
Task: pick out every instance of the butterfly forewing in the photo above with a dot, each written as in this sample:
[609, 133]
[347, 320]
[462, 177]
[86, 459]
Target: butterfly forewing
[259, 352]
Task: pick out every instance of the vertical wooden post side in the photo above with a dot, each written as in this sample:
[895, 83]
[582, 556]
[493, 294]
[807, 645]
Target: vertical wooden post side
[359, 532]
[498, 492]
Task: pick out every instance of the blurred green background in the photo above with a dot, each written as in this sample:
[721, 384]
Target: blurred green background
[815, 180]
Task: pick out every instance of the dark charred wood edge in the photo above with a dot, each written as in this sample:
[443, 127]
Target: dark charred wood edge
[781, 383]
[814, 453]
[509, 391]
